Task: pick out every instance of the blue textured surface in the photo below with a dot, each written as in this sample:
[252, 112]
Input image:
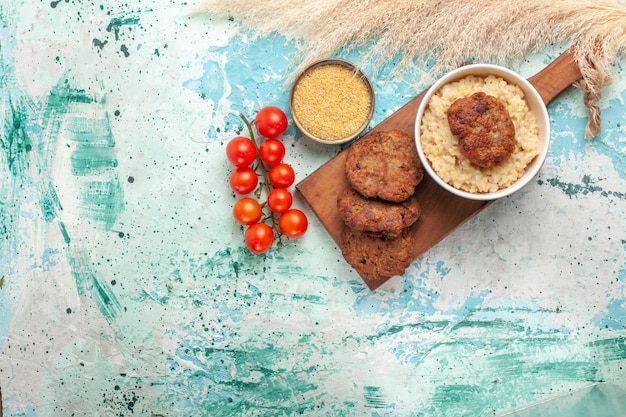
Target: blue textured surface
[127, 288]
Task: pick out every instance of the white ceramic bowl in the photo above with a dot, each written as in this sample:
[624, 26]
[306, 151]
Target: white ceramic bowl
[535, 104]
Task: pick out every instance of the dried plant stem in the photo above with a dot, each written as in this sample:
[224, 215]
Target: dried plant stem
[446, 32]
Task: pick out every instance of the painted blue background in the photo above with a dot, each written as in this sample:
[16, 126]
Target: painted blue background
[127, 288]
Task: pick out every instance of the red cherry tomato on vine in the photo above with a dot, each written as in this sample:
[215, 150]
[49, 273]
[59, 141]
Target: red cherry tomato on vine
[282, 175]
[293, 223]
[279, 200]
[271, 122]
[259, 238]
[271, 151]
[241, 151]
[243, 180]
[247, 211]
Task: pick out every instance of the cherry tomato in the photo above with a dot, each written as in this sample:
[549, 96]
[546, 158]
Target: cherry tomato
[243, 180]
[271, 122]
[247, 211]
[271, 151]
[282, 175]
[293, 223]
[279, 200]
[241, 151]
[259, 238]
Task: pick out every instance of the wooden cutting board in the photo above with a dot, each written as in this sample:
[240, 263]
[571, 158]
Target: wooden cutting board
[442, 212]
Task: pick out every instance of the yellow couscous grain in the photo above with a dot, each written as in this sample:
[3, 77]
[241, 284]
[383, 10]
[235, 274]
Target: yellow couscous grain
[331, 102]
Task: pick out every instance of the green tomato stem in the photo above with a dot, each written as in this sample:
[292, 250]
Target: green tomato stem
[260, 163]
[265, 183]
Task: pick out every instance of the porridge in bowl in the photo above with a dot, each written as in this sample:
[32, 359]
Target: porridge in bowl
[441, 147]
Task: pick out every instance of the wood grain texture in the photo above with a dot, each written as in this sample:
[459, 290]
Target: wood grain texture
[442, 212]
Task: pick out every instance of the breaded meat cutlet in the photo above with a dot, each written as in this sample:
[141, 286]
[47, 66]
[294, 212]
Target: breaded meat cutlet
[484, 128]
[376, 215]
[376, 259]
[384, 165]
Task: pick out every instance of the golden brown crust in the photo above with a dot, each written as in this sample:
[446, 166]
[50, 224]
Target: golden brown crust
[484, 128]
[384, 165]
[376, 259]
[376, 215]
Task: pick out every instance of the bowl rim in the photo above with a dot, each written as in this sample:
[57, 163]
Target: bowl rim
[360, 73]
[531, 96]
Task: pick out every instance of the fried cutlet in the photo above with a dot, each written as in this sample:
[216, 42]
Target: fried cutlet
[384, 165]
[376, 215]
[376, 259]
[484, 128]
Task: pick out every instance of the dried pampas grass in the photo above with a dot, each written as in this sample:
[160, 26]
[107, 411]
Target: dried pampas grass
[448, 33]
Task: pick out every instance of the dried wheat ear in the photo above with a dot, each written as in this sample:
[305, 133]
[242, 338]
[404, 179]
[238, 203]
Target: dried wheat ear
[418, 31]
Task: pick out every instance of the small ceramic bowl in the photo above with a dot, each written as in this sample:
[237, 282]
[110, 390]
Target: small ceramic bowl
[332, 101]
[535, 105]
